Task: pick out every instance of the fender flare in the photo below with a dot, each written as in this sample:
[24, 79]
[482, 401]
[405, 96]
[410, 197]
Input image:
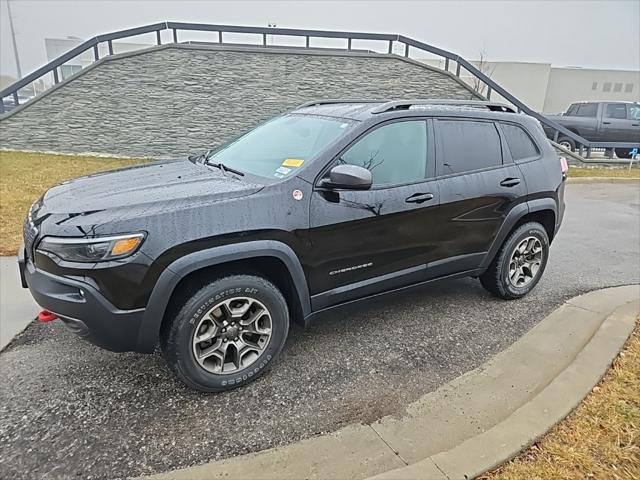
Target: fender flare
[149, 333]
[513, 217]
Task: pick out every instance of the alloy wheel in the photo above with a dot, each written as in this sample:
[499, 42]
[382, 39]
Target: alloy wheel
[525, 262]
[232, 335]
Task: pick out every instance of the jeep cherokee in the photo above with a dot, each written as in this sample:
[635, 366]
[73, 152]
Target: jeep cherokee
[211, 257]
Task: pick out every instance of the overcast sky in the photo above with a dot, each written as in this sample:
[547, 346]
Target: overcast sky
[598, 34]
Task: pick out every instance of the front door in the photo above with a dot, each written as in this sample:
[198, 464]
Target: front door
[364, 242]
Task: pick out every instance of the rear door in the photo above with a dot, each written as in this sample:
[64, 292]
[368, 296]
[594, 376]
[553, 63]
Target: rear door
[479, 185]
[616, 126]
[364, 242]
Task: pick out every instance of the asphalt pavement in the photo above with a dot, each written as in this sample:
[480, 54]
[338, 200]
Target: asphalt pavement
[69, 409]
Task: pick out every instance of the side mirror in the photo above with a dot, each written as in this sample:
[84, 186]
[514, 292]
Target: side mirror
[348, 177]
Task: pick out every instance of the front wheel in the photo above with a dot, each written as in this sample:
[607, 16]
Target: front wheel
[519, 264]
[226, 334]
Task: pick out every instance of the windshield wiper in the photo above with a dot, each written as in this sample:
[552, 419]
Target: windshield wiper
[224, 168]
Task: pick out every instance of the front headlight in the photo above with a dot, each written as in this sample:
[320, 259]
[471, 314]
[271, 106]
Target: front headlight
[91, 250]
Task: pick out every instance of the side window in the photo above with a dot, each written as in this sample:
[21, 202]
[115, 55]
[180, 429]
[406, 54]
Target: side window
[634, 112]
[520, 144]
[394, 153]
[572, 110]
[586, 110]
[616, 110]
[469, 145]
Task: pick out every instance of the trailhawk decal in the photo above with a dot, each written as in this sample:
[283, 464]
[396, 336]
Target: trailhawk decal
[351, 269]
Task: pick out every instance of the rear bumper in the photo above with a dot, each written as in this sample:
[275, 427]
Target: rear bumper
[84, 309]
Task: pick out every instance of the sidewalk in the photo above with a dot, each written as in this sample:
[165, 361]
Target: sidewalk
[17, 307]
[474, 423]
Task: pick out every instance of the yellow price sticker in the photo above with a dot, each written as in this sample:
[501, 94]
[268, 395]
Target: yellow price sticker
[292, 162]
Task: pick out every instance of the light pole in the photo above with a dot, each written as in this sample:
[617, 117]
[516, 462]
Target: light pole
[13, 41]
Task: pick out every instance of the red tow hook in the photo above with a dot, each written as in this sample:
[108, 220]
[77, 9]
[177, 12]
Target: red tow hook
[46, 316]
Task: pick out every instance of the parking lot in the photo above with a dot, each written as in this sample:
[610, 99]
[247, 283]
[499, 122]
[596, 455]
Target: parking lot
[67, 407]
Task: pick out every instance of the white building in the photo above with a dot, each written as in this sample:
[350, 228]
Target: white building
[549, 89]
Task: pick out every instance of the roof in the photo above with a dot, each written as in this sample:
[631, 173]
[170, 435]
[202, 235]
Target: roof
[365, 109]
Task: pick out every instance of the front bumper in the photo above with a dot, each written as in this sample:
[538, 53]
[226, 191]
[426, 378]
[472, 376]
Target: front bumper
[83, 308]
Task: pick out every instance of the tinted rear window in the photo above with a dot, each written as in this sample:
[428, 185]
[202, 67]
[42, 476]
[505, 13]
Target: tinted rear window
[520, 144]
[469, 145]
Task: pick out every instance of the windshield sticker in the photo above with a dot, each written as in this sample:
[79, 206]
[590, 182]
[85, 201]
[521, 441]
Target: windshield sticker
[279, 175]
[344, 125]
[292, 162]
[283, 170]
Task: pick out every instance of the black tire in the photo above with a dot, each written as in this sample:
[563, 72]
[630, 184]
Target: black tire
[567, 143]
[496, 278]
[623, 152]
[177, 335]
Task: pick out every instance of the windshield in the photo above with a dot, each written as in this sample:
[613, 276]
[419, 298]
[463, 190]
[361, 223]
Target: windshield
[281, 146]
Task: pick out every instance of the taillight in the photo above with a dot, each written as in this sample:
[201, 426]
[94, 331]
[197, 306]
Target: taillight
[564, 166]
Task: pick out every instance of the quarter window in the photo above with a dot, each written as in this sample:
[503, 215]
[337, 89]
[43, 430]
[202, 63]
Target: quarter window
[394, 153]
[520, 144]
[469, 145]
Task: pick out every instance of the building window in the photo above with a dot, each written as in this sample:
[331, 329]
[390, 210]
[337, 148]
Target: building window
[606, 87]
[617, 87]
[594, 86]
[628, 88]
[68, 70]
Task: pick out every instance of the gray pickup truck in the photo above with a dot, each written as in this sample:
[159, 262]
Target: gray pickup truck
[600, 122]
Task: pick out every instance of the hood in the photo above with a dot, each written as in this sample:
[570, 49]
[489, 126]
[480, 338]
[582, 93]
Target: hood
[153, 184]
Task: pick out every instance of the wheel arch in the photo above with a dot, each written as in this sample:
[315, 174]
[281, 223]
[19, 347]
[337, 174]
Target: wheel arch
[542, 210]
[270, 259]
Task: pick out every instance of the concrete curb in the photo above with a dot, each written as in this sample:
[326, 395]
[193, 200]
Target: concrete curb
[473, 423]
[17, 307]
[603, 180]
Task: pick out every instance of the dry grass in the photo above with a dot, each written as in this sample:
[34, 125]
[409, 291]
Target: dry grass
[604, 172]
[599, 440]
[25, 176]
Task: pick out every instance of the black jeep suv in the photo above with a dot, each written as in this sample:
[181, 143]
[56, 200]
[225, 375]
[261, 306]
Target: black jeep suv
[335, 201]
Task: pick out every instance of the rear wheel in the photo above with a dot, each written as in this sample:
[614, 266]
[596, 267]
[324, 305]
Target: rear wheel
[519, 264]
[227, 334]
[623, 152]
[567, 143]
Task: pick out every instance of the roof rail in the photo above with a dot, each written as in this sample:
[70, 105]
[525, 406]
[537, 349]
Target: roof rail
[330, 101]
[406, 104]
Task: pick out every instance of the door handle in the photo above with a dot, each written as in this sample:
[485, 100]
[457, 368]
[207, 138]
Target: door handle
[635, 124]
[606, 123]
[419, 198]
[510, 182]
